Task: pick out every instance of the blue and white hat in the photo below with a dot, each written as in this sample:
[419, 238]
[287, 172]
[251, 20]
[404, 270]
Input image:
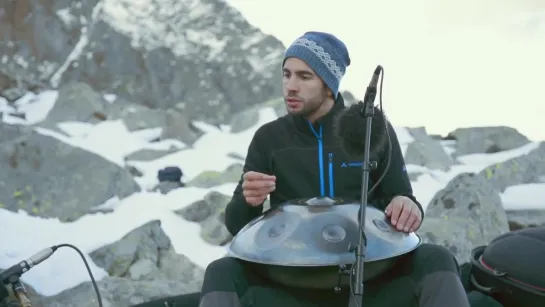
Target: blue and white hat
[325, 54]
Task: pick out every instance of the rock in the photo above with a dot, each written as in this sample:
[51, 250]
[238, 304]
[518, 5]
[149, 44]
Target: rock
[214, 231]
[426, 152]
[144, 267]
[116, 292]
[78, 102]
[210, 179]
[526, 218]
[7, 84]
[149, 154]
[529, 168]
[465, 214]
[49, 178]
[167, 186]
[413, 176]
[349, 98]
[204, 54]
[210, 214]
[146, 253]
[456, 234]
[174, 124]
[236, 156]
[249, 117]
[486, 139]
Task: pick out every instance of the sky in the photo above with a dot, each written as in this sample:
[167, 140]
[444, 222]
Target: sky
[447, 64]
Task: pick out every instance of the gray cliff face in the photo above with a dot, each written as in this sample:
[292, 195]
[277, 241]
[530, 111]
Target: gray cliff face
[201, 57]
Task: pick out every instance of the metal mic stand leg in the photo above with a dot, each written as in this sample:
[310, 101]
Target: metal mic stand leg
[357, 272]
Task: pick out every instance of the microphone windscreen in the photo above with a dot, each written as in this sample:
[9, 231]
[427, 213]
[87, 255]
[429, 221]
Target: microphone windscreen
[351, 126]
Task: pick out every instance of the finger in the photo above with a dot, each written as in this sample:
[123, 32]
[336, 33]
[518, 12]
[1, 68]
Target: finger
[257, 192]
[251, 175]
[405, 213]
[396, 211]
[410, 221]
[258, 184]
[388, 210]
[416, 224]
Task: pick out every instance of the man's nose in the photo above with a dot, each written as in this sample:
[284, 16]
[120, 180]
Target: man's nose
[291, 84]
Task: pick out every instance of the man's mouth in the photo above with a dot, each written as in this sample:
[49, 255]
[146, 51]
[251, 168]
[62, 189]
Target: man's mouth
[293, 100]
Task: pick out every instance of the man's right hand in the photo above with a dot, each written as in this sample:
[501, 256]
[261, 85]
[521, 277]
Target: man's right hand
[256, 186]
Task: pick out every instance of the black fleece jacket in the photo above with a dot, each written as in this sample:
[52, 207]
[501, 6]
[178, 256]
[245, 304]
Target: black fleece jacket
[308, 161]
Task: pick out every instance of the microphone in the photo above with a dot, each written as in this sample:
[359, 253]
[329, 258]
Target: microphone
[351, 126]
[372, 88]
[13, 273]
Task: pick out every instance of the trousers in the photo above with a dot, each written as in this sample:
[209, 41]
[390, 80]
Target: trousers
[425, 277]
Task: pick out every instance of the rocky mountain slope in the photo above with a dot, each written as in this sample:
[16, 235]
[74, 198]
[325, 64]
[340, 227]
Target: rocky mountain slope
[201, 57]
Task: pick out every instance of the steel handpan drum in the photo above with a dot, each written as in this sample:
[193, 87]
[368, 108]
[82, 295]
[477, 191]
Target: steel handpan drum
[302, 243]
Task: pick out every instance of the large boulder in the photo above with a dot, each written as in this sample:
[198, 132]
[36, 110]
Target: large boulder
[486, 139]
[49, 178]
[528, 168]
[142, 266]
[465, 214]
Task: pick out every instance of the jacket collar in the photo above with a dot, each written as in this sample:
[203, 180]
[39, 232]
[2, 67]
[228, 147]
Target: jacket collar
[325, 122]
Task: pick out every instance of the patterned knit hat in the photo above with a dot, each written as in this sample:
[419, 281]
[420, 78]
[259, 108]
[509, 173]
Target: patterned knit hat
[325, 54]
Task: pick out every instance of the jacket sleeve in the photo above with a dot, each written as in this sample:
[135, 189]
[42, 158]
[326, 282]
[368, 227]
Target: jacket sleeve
[396, 182]
[238, 212]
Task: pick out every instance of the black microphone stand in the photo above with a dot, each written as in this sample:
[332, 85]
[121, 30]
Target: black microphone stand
[357, 272]
[21, 294]
[18, 290]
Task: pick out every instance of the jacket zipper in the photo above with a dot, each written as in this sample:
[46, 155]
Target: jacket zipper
[331, 184]
[320, 156]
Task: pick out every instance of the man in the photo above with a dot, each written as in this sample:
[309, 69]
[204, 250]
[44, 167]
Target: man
[298, 156]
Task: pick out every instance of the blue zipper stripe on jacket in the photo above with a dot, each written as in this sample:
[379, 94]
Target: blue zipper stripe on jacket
[331, 186]
[320, 156]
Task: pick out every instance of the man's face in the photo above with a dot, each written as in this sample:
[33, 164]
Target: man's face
[304, 91]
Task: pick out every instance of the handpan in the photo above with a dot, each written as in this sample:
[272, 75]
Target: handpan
[302, 243]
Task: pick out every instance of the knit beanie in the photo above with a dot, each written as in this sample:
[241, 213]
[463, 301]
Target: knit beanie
[325, 54]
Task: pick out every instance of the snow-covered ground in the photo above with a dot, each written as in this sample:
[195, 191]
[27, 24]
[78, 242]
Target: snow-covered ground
[24, 235]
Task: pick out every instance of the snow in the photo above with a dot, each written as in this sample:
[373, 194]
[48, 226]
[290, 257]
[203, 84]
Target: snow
[113, 141]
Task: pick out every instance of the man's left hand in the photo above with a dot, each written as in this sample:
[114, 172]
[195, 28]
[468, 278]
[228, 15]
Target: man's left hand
[404, 214]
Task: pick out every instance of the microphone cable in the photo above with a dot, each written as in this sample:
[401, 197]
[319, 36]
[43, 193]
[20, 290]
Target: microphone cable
[93, 282]
[12, 274]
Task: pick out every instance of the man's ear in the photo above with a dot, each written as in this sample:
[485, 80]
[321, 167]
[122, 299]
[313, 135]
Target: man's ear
[329, 93]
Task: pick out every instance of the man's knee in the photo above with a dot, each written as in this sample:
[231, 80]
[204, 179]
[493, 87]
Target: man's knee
[223, 268]
[434, 258]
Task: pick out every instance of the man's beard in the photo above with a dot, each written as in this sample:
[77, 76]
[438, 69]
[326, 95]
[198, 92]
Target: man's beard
[310, 106]
[307, 109]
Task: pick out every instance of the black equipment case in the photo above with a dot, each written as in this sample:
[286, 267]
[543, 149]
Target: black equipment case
[511, 269]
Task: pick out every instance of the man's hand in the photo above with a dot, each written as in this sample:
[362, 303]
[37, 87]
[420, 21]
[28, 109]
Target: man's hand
[256, 186]
[404, 214]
